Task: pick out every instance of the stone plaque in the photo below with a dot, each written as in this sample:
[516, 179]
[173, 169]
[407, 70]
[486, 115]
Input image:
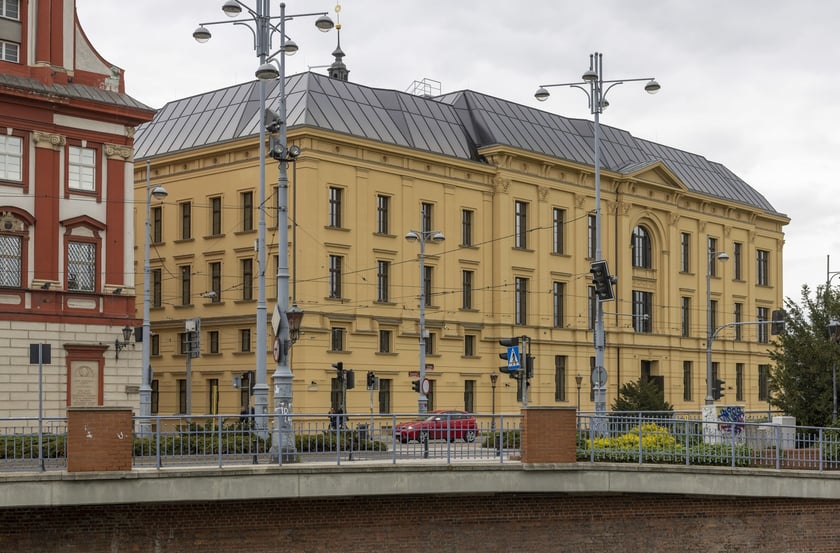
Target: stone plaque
[84, 384]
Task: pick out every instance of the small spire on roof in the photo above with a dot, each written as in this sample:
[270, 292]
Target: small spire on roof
[338, 70]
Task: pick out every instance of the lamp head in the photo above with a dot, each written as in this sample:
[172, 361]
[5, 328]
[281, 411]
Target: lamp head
[324, 23]
[541, 94]
[126, 332]
[293, 151]
[201, 34]
[267, 72]
[231, 8]
[652, 87]
[290, 48]
[159, 192]
[438, 237]
[412, 236]
[723, 256]
[590, 76]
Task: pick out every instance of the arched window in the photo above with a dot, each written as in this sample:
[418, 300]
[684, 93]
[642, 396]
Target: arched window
[640, 245]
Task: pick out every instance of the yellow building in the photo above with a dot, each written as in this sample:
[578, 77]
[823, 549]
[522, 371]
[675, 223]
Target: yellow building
[512, 190]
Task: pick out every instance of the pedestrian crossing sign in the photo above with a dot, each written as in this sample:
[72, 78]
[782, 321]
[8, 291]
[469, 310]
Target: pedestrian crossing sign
[513, 358]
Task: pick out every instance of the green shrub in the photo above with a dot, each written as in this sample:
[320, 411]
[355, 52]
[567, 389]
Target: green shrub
[507, 439]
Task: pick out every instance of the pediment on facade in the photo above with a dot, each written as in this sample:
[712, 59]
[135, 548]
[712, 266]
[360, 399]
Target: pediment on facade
[657, 173]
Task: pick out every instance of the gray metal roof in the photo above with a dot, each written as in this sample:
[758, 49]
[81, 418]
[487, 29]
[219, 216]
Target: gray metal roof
[455, 124]
[73, 90]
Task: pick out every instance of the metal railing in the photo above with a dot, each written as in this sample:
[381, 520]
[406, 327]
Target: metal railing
[227, 440]
[650, 438]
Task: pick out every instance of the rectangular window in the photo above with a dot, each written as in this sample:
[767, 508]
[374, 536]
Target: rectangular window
[81, 266]
[713, 318]
[247, 272]
[385, 341]
[521, 301]
[642, 311]
[184, 345]
[685, 316]
[186, 281]
[246, 200]
[10, 9]
[215, 216]
[764, 383]
[155, 344]
[9, 51]
[687, 377]
[469, 345]
[469, 396]
[335, 276]
[383, 272]
[244, 340]
[466, 289]
[213, 336]
[591, 240]
[739, 308]
[428, 274]
[520, 225]
[81, 168]
[157, 287]
[11, 261]
[466, 227]
[336, 339]
[712, 249]
[558, 293]
[11, 158]
[186, 220]
[560, 377]
[739, 382]
[685, 252]
[426, 217]
[558, 226]
[157, 224]
[383, 214]
[213, 400]
[216, 281]
[762, 267]
[385, 385]
[737, 259]
[430, 344]
[763, 314]
[182, 396]
[155, 396]
[592, 303]
[335, 207]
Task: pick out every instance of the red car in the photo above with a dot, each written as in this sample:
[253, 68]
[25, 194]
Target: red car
[440, 425]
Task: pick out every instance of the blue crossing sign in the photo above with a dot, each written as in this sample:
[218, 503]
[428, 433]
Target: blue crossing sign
[513, 358]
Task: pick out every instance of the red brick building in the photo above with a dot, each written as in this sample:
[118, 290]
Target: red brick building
[67, 274]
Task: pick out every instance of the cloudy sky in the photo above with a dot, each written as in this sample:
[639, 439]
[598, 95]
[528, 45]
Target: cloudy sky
[752, 84]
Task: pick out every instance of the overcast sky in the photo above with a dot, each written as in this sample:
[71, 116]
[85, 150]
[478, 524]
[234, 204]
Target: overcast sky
[752, 84]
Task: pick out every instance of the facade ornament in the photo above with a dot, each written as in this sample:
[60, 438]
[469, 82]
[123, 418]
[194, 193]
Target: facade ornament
[48, 140]
[117, 151]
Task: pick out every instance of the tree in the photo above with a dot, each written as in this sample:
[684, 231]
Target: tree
[641, 395]
[801, 379]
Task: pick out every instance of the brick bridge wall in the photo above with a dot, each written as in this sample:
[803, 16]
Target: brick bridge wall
[534, 523]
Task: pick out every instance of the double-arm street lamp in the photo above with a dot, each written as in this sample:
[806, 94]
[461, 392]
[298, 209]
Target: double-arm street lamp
[159, 193]
[710, 326]
[596, 89]
[286, 322]
[422, 236]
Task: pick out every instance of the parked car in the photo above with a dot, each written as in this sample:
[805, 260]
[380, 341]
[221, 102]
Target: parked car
[440, 425]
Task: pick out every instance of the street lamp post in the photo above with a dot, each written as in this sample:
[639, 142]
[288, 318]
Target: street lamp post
[578, 381]
[834, 337]
[596, 89]
[422, 236]
[272, 66]
[710, 329]
[493, 378]
[159, 193]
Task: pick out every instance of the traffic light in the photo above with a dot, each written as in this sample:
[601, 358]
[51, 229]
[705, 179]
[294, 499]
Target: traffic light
[509, 343]
[529, 366]
[350, 376]
[339, 370]
[371, 380]
[415, 385]
[717, 389]
[778, 324]
[602, 280]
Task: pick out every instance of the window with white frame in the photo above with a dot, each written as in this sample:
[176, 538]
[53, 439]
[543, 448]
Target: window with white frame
[426, 210]
[641, 248]
[591, 239]
[685, 252]
[466, 227]
[383, 216]
[520, 225]
[383, 275]
[335, 207]
[521, 301]
[385, 339]
[642, 311]
[81, 266]
[467, 289]
[81, 168]
[11, 261]
[558, 294]
[335, 276]
[9, 51]
[10, 9]
[762, 267]
[11, 158]
[558, 224]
